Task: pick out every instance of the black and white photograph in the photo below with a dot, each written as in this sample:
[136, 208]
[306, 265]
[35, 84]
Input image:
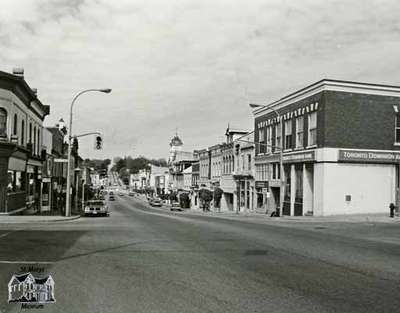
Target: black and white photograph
[192, 156]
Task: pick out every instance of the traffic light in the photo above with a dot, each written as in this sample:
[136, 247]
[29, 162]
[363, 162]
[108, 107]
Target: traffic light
[98, 144]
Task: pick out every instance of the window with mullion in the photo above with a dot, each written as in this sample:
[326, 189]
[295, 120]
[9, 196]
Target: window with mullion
[300, 132]
[261, 148]
[312, 129]
[278, 133]
[269, 139]
[288, 134]
[397, 129]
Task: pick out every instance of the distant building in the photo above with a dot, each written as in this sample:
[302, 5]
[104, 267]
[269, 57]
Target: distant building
[215, 164]
[159, 179]
[178, 161]
[205, 168]
[244, 173]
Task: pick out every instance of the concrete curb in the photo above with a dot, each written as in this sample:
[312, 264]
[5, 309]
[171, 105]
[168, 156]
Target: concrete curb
[35, 219]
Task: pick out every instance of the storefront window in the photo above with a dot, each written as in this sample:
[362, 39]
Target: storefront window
[260, 198]
[288, 182]
[299, 183]
[16, 181]
[46, 194]
[31, 184]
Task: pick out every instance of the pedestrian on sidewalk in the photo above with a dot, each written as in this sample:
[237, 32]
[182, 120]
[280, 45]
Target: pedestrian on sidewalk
[392, 208]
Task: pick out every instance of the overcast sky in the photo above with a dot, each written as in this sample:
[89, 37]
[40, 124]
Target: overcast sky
[192, 65]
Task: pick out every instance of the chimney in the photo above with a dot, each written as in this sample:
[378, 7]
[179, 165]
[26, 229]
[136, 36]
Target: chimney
[34, 91]
[18, 71]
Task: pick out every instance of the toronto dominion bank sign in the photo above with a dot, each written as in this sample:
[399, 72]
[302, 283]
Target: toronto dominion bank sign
[368, 156]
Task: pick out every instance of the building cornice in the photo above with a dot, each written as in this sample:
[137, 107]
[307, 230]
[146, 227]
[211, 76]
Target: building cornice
[329, 85]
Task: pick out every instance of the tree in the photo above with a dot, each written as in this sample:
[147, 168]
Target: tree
[134, 165]
[184, 200]
[217, 196]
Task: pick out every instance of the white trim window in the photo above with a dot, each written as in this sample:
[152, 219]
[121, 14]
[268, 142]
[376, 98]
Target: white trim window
[261, 146]
[3, 122]
[397, 129]
[278, 133]
[312, 129]
[288, 134]
[299, 132]
[269, 139]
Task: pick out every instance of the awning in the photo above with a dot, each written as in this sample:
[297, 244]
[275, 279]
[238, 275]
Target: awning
[15, 164]
[35, 163]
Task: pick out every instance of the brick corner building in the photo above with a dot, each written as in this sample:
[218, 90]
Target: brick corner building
[341, 149]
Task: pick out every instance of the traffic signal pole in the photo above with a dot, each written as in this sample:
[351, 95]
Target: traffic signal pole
[68, 189]
[86, 134]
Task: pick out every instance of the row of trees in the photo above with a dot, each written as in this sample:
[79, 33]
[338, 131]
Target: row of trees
[98, 164]
[128, 165]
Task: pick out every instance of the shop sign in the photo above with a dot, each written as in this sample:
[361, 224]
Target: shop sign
[368, 156]
[60, 160]
[261, 184]
[299, 157]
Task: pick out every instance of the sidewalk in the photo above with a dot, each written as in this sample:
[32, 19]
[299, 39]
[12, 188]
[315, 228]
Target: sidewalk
[262, 217]
[27, 219]
[254, 216]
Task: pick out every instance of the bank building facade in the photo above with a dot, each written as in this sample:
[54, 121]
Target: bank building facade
[341, 149]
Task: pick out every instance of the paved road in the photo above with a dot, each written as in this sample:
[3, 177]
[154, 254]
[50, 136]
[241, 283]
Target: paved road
[145, 260]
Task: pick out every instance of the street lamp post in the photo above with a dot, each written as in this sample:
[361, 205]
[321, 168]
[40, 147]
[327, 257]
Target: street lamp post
[68, 195]
[282, 182]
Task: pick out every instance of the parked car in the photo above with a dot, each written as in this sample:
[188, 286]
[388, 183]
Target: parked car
[175, 206]
[111, 197]
[96, 207]
[155, 202]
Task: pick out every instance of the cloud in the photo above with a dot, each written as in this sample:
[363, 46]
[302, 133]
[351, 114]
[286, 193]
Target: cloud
[189, 64]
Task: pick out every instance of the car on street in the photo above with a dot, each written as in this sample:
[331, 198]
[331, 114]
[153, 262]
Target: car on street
[155, 202]
[131, 193]
[175, 206]
[96, 207]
